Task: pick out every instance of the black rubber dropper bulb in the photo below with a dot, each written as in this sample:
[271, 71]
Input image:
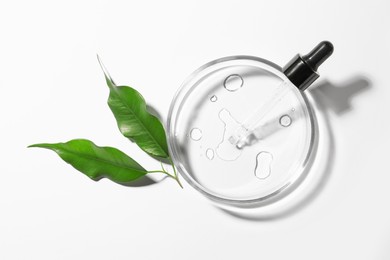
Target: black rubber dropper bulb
[302, 70]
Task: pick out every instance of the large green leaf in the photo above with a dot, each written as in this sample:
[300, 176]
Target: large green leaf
[97, 162]
[135, 122]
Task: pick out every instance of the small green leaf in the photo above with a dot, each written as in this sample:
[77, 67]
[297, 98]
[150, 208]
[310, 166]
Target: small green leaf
[97, 162]
[133, 119]
[136, 123]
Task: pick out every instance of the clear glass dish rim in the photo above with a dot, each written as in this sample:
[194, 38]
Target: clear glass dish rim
[243, 203]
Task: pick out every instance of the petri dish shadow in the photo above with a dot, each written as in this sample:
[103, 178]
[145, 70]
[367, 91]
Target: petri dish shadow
[328, 97]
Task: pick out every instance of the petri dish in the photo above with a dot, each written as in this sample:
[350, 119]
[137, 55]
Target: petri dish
[240, 132]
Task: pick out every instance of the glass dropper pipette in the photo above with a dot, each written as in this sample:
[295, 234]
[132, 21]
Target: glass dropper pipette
[302, 72]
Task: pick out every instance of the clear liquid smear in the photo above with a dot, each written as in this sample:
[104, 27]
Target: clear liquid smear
[210, 154]
[213, 98]
[225, 150]
[233, 82]
[196, 134]
[285, 121]
[263, 165]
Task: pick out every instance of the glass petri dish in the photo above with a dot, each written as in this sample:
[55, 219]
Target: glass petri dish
[240, 132]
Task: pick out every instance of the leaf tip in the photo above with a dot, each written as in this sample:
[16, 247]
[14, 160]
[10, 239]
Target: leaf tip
[47, 146]
[109, 80]
[100, 61]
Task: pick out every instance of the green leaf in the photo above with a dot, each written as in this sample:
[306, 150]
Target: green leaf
[97, 162]
[133, 119]
[136, 123]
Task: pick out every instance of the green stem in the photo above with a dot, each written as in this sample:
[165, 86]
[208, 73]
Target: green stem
[173, 176]
[174, 171]
[167, 173]
[162, 166]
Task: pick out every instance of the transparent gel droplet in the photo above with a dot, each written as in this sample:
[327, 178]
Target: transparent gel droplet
[210, 154]
[263, 165]
[233, 82]
[226, 150]
[285, 121]
[213, 98]
[196, 134]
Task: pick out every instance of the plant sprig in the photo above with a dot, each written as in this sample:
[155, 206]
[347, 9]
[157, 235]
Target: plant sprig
[134, 122]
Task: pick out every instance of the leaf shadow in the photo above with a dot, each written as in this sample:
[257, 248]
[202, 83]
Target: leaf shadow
[143, 182]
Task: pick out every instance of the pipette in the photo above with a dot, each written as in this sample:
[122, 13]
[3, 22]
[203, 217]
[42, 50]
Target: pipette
[302, 72]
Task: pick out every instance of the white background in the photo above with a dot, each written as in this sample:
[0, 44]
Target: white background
[53, 90]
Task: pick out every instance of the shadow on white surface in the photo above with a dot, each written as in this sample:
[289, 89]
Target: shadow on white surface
[324, 97]
[142, 182]
[337, 97]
